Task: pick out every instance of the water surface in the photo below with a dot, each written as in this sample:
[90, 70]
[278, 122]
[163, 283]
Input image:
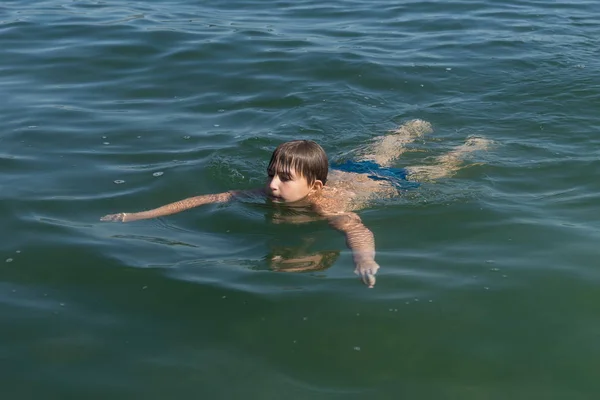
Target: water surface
[489, 280]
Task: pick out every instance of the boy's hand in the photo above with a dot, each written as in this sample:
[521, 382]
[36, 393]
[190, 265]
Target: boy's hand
[367, 269]
[120, 217]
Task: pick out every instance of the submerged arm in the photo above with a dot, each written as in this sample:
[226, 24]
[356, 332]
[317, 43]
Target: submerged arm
[361, 241]
[177, 206]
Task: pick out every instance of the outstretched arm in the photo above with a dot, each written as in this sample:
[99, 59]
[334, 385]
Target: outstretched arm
[361, 241]
[176, 207]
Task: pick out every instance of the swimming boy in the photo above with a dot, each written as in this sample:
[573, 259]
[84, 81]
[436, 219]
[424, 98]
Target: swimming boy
[298, 175]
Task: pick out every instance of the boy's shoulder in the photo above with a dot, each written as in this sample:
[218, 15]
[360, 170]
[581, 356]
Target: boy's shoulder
[332, 200]
[349, 191]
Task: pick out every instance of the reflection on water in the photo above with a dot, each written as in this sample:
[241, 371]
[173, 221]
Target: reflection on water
[301, 258]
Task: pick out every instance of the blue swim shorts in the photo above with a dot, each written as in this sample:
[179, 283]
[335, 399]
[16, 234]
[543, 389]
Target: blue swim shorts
[397, 176]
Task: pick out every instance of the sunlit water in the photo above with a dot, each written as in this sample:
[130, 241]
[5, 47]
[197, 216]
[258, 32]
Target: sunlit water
[489, 280]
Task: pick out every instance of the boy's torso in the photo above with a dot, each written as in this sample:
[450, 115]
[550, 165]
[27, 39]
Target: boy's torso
[348, 191]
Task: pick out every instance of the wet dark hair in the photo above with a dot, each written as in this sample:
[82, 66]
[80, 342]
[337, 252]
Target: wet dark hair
[306, 157]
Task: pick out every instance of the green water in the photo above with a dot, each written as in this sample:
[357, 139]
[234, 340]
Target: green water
[489, 281]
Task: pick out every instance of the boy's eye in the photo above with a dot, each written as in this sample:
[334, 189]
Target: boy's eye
[284, 177]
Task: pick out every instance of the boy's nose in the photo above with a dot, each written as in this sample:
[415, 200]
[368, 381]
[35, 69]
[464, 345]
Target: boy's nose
[273, 184]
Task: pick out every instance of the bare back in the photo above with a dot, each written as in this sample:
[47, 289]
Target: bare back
[349, 191]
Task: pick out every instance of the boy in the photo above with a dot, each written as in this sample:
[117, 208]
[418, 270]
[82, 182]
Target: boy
[298, 175]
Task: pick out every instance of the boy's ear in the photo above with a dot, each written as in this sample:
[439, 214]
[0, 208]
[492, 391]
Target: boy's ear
[317, 185]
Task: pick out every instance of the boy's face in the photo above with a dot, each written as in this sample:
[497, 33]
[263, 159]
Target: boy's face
[288, 189]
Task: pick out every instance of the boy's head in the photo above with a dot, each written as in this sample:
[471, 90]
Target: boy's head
[299, 162]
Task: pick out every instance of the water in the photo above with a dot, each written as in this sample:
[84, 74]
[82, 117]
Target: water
[489, 280]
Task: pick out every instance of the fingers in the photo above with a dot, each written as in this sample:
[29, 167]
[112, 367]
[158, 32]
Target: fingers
[369, 280]
[367, 275]
[113, 217]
